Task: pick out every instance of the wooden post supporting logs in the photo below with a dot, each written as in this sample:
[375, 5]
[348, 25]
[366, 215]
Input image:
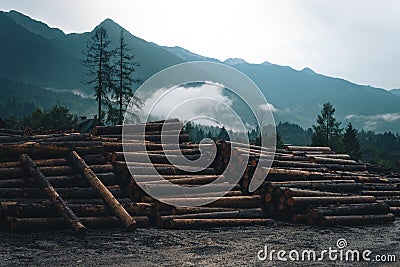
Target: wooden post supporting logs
[106, 195]
[52, 194]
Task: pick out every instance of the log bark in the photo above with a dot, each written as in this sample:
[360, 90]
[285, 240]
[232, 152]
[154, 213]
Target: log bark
[380, 193]
[294, 192]
[294, 164]
[46, 209]
[191, 210]
[307, 148]
[38, 150]
[352, 168]
[12, 173]
[303, 201]
[233, 214]
[66, 193]
[61, 207]
[169, 170]
[106, 195]
[333, 156]
[322, 160]
[177, 179]
[210, 223]
[239, 202]
[138, 128]
[350, 209]
[165, 139]
[107, 179]
[157, 158]
[355, 220]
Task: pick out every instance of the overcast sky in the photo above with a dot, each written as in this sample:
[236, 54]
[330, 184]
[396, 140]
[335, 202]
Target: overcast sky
[357, 40]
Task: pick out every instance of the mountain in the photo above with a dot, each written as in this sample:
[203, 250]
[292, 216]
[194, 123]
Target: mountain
[44, 58]
[234, 61]
[37, 54]
[186, 55]
[34, 26]
[395, 91]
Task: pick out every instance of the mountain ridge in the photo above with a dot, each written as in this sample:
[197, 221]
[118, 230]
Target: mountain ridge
[32, 54]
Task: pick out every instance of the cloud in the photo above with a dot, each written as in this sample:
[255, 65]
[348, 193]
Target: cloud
[388, 117]
[205, 104]
[267, 107]
[371, 122]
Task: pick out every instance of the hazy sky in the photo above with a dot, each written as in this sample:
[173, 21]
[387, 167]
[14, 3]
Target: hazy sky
[357, 40]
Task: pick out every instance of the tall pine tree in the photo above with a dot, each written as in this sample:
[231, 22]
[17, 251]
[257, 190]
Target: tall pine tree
[327, 131]
[99, 70]
[351, 142]
[125, 66]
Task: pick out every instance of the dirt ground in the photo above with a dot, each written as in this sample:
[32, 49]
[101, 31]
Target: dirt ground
[216, 247]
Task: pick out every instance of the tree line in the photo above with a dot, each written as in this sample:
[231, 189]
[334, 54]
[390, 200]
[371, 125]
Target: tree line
[381, 148]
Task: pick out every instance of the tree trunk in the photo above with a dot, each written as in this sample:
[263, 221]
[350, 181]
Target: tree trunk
[61, 207]
[106, 195]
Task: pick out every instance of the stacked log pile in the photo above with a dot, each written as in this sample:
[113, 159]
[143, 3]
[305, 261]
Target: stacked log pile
[56, 181]
[233, 209]
[43, 186]
[314, 185]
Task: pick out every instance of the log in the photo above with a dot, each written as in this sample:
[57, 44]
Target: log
[252, 147]
[307, 148]
[146, 146]
[295, 173]
[380, 193]
[46, 209]
[106, 195]
[165, 139]
[333, 156]
[322, 160]
[352, 168]
[234, 214]
[66, 193]
[191, 153]
[61, 207]
[294, 164]
[239, 202]
[304, 201]
[177, 179]
[393, 202]
[294, 192]
[169, 170]
[12, 173]
[210, 223]
[107, 179]
[158, 158]
[203, 195]
[163, 187]
[45, 224]
[138, 128]
[339, 186]
[350, 209]
[191, 210]
[380, 187]
[37, 150]
[395, 211]
[96, 201]
[70, 144]
[355, 220]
